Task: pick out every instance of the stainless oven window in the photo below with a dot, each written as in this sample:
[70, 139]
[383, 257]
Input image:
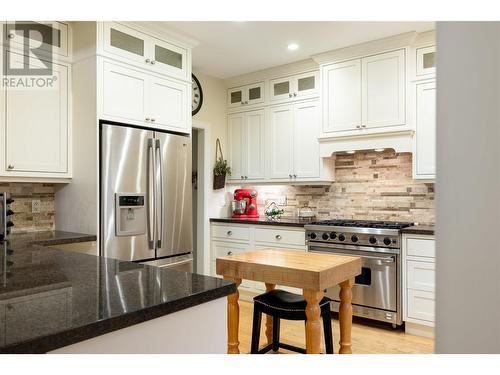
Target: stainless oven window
[376, 286]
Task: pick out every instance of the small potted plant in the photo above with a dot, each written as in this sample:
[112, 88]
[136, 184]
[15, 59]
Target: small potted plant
[221, 168]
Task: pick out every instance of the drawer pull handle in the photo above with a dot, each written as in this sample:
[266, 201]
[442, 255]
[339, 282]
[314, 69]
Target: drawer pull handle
[229, 253]
[229, 233]
[278, 237]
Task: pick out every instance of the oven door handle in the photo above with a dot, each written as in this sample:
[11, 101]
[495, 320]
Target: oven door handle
[391, 259]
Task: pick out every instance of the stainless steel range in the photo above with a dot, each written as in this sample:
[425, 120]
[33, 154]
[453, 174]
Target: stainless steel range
[376, 293]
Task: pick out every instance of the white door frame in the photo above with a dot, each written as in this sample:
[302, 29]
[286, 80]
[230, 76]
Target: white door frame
[203, 223]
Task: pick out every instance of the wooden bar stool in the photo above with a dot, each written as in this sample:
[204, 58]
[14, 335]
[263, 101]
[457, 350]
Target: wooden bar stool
[289, 306]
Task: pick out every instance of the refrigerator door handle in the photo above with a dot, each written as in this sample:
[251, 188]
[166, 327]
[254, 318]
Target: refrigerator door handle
[151, 189]
[159, 175]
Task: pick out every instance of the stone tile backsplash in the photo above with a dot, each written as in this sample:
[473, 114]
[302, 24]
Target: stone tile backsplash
[23, 194]
[368, 185]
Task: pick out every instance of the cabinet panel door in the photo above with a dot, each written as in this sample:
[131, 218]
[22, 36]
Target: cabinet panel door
[421, 275]
[306, 146]
[383, 89]
[36, 123]
[168, 104]
[220, 249]
[342, 96]
[255, 138]
[425, 132]
[281, 146]
[237, 147]
[124, 92]
[125, 42]
[426, 61]
[421, 305]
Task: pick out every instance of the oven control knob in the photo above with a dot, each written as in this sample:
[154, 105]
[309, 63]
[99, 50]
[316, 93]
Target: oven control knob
[372, 240]
[354, 238]
[341, 237]
[325, 236]
[312, 236]
[387, 241]
[333, 235]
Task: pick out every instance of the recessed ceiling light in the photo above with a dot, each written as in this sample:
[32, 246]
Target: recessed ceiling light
[293, 46]
[379, 149]
[350, 152]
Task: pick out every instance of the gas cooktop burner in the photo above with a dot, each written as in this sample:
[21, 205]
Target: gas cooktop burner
[363, 224]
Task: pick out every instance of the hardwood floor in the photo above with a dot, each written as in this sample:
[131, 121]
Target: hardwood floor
[366, 338]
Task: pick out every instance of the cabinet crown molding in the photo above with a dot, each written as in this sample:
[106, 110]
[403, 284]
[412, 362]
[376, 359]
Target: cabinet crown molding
[270, 73]
[368, 48]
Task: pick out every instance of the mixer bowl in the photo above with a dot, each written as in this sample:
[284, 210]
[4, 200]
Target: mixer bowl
[239, 206]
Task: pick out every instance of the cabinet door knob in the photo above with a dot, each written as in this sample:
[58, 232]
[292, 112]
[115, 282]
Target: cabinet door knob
[153, 62]
[294, 94]
[290, 95]
[229, 253]
[278, 237]
[246, 101]
[363, 126]
[294, 176]
[290, 175]
[246, 177]
[229, 233]
[11, 36]
[147, 119]
[10, 166]
[242, 103]
[148, 61]
[153, 120]
[242, 178]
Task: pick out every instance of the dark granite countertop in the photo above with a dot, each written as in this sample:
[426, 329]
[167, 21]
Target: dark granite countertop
[262, 220]
[50, 298]
[419, 229]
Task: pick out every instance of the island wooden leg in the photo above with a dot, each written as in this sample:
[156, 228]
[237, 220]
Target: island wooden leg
[345, 316]
[313, 324]
[269, 319]
[233, 319]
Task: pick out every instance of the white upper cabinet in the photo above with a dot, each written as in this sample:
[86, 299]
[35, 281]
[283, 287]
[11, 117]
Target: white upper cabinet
[36, 125]
[364, 93]
[307, 123]
[246, 95]
[299, 86]
[425, 62]
[383, 89]
[342, 96]
[144, 50]
[246, 145]
[132, 96]
[124, 93]
[424, 157]
[167, 103]
[294, 135]
[281, 142]
[52, 37]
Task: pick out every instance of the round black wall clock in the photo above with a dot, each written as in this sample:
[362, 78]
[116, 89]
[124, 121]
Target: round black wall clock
[197, 96]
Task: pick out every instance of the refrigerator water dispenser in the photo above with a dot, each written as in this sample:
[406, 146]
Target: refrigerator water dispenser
[130, 214]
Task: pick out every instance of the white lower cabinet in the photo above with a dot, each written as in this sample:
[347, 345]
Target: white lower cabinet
[227, 239]
[419, 283]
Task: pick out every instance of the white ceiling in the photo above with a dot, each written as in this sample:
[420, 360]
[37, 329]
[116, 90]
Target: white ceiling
[227, 49]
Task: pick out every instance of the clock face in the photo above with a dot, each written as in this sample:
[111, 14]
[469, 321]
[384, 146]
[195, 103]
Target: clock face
[197, 96]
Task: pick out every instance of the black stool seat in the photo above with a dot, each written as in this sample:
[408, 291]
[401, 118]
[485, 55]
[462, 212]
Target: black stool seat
[285, 305]
[280, 304]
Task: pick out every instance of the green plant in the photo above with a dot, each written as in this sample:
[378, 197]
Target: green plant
[221, 167]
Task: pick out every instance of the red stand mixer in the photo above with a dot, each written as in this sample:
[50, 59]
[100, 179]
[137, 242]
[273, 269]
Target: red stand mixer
[244, 204]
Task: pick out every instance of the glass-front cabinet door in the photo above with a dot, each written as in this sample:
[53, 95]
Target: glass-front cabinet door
[235, 97]
[254, 93]
[126, 42]
[168, 57]
[50, 36]
[426, 61]
[306, 84]
[281, 88]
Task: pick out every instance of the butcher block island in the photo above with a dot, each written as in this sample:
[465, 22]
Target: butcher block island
[311, 272]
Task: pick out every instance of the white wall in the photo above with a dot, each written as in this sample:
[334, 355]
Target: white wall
[213, 114]
[468, 188]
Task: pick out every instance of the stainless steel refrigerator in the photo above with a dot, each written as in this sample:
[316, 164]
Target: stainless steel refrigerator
[145, 182]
